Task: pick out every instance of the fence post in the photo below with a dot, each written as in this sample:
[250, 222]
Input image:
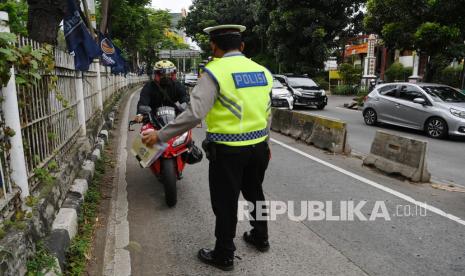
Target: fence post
[12, 120]
[99, 86]
[81, 109]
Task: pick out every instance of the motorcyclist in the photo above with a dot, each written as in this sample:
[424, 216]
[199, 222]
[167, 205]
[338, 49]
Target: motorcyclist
[162, 90]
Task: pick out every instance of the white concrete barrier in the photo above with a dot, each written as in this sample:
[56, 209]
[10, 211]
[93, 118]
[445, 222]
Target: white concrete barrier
[396, 154]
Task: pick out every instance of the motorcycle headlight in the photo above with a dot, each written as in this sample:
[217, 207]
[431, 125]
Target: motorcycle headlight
[180, 140]
[323, 92]
[458, 113]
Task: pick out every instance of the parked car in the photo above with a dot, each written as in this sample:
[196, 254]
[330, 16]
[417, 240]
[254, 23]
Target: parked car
[304, 90]
[281, 96]
[437, 109]
[190, 79]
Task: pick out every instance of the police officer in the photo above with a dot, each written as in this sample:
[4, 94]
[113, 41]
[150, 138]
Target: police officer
[234, 97]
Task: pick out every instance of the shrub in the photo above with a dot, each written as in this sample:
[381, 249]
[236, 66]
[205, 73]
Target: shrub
[345, 90]
[450, 76]
[350, 74]
[396, 72]
[322, 82]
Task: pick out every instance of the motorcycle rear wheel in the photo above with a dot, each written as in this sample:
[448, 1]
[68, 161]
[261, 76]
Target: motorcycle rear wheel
[168, 178]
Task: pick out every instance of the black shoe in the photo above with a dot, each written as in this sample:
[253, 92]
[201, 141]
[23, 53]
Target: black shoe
[261, 246]
[208, 256]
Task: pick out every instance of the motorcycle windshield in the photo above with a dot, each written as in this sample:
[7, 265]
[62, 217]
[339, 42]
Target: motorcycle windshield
[165, 114]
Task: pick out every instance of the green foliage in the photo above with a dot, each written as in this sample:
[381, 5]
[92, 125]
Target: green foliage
[42, 262]
[52, 166]
[51, 136]
[2, 233]
[345, 90]
[350, 74]
[433, 36]
[9, 132]
[17, 222]
[46, 179]
[301, 34]
[397, 72]
[450, 76]
[43, 175]
[136, 28]
[17, 14]
[322, 82]
[207, 13]
[435, 28]
[28, 63]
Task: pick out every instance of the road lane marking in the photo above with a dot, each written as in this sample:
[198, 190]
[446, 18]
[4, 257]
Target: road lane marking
[117, 259]
[373, 184]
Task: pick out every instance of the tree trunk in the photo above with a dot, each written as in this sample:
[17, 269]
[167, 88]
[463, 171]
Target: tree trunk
[105, 9]
[44, 19]
[429, 70]
[462, 78]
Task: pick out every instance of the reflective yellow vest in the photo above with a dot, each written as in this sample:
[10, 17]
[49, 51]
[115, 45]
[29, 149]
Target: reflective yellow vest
[240, 114]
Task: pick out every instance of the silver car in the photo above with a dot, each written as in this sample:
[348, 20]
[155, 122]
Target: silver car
[437, 109]
[281, 96]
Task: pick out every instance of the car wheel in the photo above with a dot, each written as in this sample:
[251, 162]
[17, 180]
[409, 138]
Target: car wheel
[320, 106]
[436, 128]
[370, 117]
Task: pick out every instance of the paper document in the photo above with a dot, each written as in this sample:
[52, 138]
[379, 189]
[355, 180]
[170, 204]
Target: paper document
[146, 155]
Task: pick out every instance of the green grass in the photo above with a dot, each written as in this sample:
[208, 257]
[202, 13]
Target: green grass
[42, 262]
[79, 251]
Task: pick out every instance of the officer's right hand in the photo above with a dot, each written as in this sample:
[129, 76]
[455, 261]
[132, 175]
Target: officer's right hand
[139, 118]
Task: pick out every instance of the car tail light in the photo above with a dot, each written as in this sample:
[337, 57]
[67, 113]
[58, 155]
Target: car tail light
[365, 98]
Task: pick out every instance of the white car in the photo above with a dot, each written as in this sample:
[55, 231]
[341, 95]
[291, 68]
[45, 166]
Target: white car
[190, 79]
[281, 96]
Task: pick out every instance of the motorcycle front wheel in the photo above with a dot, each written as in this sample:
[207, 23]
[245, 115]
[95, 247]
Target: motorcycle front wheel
[168, 178]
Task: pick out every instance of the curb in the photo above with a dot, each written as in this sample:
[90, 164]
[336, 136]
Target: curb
[65, 225]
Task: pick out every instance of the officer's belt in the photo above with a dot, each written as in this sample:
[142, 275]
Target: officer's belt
[221, 137]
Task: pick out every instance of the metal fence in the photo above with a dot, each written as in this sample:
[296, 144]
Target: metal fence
[49, 116]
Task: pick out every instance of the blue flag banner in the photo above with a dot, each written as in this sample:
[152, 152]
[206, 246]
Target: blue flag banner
[78, 39]
[120, 67]
[108, 51]
[111, 55]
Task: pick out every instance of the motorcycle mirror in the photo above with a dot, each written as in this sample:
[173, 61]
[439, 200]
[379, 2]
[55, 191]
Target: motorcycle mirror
[130, 125]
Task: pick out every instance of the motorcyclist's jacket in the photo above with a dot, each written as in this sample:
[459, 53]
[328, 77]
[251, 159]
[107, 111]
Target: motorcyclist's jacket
[240, 113]
[153, 96]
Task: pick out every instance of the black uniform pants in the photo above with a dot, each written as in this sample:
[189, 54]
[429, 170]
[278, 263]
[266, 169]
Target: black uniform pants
[235, 170]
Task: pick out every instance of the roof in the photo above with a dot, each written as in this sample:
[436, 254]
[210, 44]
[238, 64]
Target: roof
[419, 83]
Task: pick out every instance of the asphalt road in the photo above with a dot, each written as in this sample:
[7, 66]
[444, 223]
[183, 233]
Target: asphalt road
[164, 241]
[446, 158]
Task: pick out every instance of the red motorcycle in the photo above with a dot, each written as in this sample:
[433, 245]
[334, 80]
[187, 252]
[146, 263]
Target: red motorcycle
[179, 150]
